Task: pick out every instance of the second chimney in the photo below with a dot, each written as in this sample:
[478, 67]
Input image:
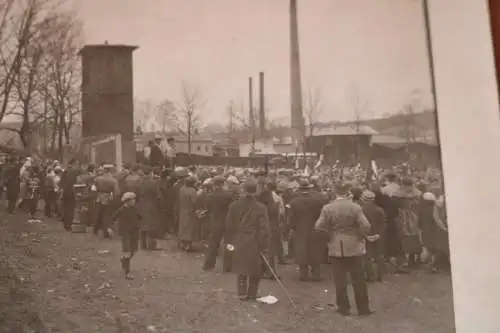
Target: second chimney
[262, 111]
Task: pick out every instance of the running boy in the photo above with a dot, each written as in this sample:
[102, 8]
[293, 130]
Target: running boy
[128, 224]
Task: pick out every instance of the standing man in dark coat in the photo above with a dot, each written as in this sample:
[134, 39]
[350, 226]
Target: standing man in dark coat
[12, 182]
[217, 205]
[167, 201]
[69, 178]
[107, 193]
[304, 210]
[265, 196]
[248, 234]
[156, 157]
[375, 238]
[148, 206]
[89, 196]
[188, 220]
[347, 227]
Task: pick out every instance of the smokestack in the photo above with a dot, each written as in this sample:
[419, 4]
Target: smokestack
[251, 117]
[297, 118]
[262, 111]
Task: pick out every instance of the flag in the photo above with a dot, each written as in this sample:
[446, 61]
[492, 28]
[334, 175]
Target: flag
[320, 161]
[374, 170]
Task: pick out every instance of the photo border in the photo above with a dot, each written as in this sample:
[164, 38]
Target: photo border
[469, 130]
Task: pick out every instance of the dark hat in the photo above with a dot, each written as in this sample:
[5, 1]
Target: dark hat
[304, 183]
[250, 186]
[342, 188]
[190, 181]
[407, 181]
[218, 181]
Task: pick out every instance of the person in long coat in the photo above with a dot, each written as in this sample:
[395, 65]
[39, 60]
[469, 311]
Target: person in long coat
[147, 203]
[217, 204]
[408, 200]
[265, 196]
[442, 246]
[12, 182]
[248, 232]
[167, 201]
[187, 214]
[308, 247]
[374, 263]
[108, 191]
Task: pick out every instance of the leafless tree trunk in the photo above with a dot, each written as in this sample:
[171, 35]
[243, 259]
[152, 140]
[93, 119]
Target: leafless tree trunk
[360, 109]
[409, 129]
[313, 110]
[188, 109]
[166, 115]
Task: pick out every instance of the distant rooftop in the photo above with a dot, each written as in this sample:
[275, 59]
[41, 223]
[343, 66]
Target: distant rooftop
[345, 130]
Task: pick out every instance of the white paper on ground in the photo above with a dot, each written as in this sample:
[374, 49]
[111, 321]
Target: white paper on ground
[269, 299]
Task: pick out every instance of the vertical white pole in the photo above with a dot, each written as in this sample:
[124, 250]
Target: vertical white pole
[92, 154]
[119, 151]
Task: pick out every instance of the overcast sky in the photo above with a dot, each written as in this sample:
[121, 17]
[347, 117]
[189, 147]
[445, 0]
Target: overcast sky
[372, 49]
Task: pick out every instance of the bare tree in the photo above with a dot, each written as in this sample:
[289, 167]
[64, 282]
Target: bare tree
[143, 111]
[188, 109]
[38, 60]
[166, 115]
[313, 109]
[64, 79]
[409, 128]
[360, 111]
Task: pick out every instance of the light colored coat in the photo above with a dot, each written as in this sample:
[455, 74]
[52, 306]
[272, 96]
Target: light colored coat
[347, 226]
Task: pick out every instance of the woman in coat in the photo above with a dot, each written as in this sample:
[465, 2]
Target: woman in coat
[247, 235]
[188, 221]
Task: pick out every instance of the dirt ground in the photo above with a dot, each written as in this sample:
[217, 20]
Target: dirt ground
[54, 281]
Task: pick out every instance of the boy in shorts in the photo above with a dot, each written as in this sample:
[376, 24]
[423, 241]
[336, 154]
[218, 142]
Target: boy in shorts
[128, 222]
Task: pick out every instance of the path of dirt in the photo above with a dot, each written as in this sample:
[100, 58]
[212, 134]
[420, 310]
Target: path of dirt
[54, 281]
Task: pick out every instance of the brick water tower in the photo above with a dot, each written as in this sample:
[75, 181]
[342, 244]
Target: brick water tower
[108, 97]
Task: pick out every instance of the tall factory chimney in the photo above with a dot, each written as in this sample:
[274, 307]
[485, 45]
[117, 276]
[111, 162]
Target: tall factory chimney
[296, 115]
[262, 111]
[251, 115]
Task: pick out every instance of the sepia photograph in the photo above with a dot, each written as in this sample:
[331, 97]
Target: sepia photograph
[245, 165]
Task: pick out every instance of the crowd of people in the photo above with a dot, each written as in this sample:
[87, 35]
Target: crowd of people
[253, 219]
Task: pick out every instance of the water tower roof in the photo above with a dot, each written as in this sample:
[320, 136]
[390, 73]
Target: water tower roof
[114, 47]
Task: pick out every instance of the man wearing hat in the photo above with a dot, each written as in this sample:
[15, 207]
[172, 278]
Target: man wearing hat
[346, 226]
[69, 178]
[217, 205]
[187, 214]
[375, 238]
[247, 237]
[308, 250]
[156, 157]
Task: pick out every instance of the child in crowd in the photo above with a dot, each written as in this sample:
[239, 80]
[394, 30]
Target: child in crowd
[128, 222]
